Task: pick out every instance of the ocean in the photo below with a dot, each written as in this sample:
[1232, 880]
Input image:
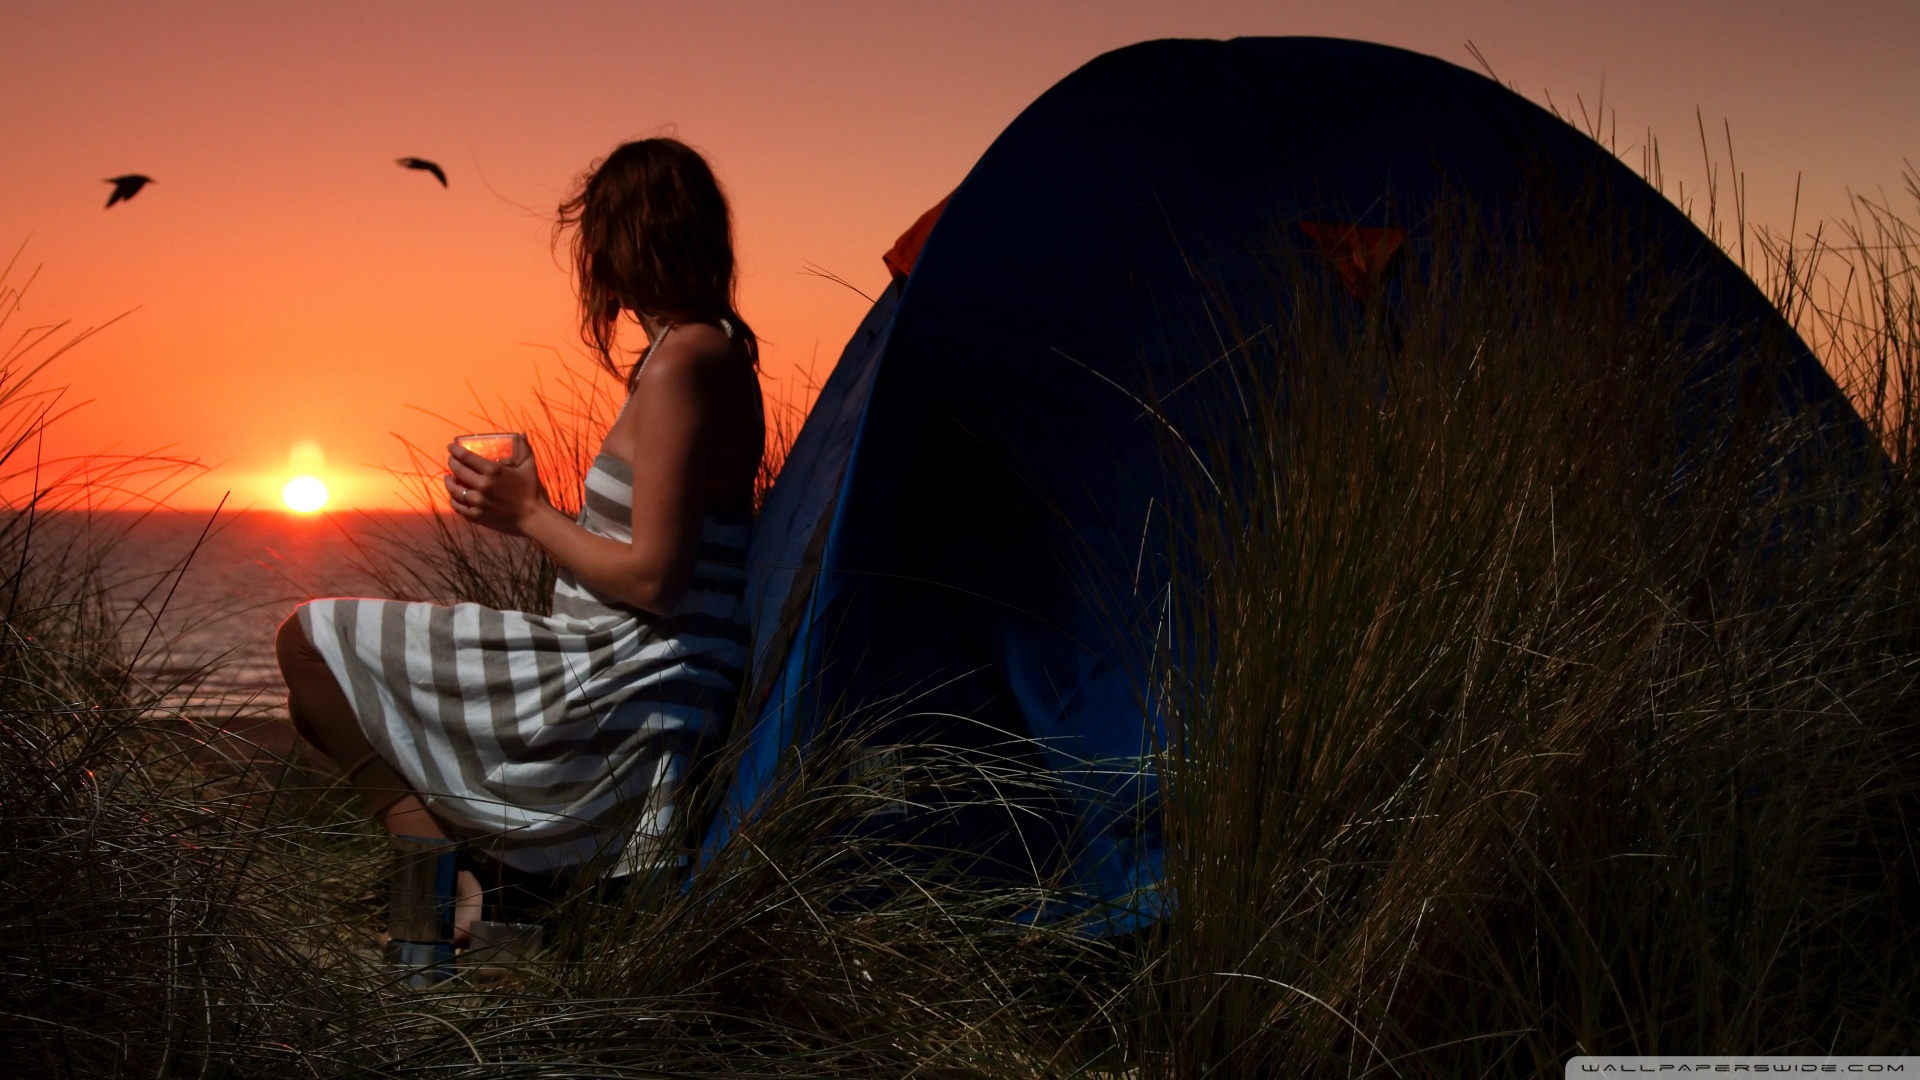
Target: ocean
[198, 597]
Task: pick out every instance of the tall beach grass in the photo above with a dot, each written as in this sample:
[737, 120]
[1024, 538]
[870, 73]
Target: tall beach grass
[1529, 713]
[1509, 727]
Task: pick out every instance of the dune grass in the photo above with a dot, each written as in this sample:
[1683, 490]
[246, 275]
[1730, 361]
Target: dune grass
[1510, 727]
[1517, 726]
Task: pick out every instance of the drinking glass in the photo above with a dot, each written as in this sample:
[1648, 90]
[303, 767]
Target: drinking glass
[501, 446]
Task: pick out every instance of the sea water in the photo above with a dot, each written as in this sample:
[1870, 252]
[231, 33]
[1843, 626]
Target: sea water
[198, 596]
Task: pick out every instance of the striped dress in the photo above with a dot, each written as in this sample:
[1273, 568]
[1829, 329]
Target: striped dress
[555, 739]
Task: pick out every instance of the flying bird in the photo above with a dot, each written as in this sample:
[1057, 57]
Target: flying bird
[424, 165]
[126, 187]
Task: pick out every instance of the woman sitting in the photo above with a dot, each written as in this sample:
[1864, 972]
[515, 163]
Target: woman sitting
[558, 742]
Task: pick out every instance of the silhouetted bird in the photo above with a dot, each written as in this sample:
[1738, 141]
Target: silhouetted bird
[425, 166]
[126, 187]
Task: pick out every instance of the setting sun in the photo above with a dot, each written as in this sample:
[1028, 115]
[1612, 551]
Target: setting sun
[305, 494]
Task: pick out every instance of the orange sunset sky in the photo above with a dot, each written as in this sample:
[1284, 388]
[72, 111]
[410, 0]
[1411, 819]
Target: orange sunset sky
[289, 284]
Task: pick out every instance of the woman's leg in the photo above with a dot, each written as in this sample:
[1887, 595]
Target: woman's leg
[322, 715]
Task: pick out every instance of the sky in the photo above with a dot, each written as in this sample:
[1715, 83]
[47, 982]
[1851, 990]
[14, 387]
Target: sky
[289, 299]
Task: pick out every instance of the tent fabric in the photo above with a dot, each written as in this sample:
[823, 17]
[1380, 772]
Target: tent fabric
[1359, 254]
[905, 251]
[961, 549]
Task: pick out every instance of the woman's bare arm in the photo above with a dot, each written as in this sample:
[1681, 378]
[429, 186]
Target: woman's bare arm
[667, 432]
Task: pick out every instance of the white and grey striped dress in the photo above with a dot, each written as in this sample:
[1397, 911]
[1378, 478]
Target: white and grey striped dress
[555, 739]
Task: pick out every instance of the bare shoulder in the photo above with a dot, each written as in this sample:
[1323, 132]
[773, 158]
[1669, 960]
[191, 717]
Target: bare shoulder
[693, 353]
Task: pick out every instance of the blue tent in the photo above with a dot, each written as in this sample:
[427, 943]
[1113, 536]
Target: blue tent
[961, 543]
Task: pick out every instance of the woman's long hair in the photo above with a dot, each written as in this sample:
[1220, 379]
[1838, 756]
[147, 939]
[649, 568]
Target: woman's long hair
[651, 235]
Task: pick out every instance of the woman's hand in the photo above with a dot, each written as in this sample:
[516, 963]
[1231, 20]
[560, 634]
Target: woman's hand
[501, 495]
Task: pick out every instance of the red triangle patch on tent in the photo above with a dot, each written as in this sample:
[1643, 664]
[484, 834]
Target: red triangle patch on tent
[906, 250]
[1359, 253]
